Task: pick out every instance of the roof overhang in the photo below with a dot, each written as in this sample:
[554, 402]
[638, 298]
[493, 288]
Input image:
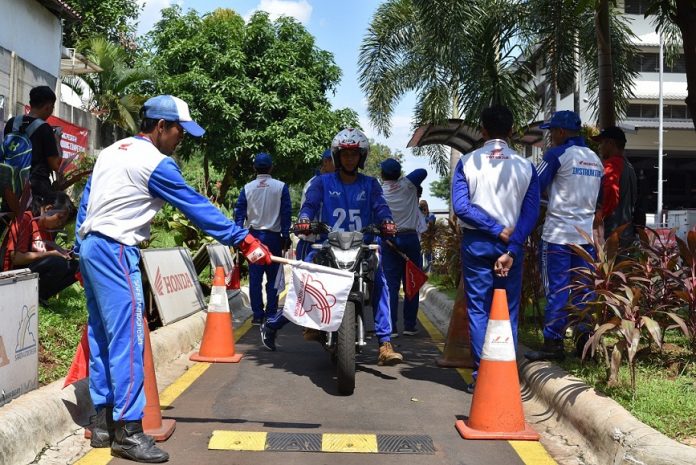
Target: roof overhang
[72, 63]
[464, 138]
[61, 9]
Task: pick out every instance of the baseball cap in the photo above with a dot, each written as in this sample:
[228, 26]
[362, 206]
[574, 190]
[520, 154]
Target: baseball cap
[263, 160]
[170, 108]
[390, 167]
[326, 155]
[611, 132]
[565, 119]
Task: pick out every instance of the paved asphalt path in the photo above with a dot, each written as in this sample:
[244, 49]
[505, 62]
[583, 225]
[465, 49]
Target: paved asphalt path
[293, 390]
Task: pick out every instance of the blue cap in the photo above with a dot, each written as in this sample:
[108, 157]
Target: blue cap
[326, 155]
[390, 167]
[170, 108]
[263, 160]
[565, 119]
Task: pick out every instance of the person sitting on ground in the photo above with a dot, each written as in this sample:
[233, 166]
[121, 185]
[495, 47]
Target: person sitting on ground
[30, 244]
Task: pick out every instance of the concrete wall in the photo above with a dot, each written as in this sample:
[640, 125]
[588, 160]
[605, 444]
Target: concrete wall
[32, 32]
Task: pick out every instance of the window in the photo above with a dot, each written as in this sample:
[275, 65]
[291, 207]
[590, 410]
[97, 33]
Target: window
[650, 111]
[648, 62]
[636, 7]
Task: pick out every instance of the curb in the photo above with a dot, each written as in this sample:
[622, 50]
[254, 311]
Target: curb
[610, 433]
[45, 416]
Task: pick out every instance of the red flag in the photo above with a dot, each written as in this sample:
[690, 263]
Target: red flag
[415, 278]
[80, 364]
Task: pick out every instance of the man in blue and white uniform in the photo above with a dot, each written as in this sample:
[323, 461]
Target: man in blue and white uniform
[264, 204]
[131, 181]
[304, 245]
[348, 201]
[401, 194]
[572, 175]
[495, 195]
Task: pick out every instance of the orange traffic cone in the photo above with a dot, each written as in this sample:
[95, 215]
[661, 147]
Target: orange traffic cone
[457, 352]
[496, 409]
[153, 423]
[218, 336]
[235, 276]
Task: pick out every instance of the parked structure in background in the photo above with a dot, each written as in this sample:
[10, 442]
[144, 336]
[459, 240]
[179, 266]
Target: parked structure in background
[31, 55]
[641, 124]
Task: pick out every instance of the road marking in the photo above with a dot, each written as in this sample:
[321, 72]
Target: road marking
[95, 457]
[237, 440]
[327, 442]
[167, 398]
[530, 452]
[349, 443]
[439, 340]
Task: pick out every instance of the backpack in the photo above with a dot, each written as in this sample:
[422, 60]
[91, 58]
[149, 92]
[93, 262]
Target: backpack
[16, 151]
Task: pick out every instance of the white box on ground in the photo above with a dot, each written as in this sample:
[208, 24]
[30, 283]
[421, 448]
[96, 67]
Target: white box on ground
[174, 283]
[19, 333]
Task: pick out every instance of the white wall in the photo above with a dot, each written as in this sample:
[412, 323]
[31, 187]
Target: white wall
[32, 32]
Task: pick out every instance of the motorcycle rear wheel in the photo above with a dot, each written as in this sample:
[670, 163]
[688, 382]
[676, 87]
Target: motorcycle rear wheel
[345, 352]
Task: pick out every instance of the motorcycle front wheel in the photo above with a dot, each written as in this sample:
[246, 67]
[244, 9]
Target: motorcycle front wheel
[345, 351]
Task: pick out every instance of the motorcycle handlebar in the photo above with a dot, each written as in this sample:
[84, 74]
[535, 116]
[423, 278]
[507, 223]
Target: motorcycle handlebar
[318, 227]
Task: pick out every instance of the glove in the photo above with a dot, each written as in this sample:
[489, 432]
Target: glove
[255, 251]
[302, 226]
[287, 243]
[388, 228]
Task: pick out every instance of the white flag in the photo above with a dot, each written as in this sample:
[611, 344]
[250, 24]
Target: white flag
[317, 296]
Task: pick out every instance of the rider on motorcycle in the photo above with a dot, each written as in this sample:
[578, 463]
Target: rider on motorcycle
[348, 201]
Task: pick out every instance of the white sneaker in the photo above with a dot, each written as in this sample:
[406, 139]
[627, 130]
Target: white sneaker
[394, 335]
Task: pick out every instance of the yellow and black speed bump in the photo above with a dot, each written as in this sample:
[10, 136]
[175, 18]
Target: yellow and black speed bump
[317, 442]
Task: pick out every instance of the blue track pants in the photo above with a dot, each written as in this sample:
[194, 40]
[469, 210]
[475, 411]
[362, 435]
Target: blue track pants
[557, 261]
[114, 292]
[394, 271]
[271, 240]
[479, 253]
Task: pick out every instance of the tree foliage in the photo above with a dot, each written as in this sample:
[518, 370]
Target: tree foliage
[113, 95]
[440, 188]
[255, 86]
[379, 153]
[113, 19]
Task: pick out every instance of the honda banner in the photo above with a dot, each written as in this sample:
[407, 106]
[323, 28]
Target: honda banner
[73, 139]
[174, 283]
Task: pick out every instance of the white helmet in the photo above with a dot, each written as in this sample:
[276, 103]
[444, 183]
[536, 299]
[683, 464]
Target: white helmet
[350, 138]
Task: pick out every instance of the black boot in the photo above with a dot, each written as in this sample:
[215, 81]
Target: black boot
[132, 444]
[103, 428]
[551, 350]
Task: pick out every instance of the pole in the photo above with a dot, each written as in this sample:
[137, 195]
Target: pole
[658, 214]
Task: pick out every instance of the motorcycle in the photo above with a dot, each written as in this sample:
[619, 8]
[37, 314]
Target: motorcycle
[347, 251]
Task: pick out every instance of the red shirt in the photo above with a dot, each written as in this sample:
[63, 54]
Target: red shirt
[24, 236]
[613, 167]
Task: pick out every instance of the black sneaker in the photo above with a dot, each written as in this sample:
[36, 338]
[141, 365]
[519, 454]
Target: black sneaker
[551, 350]
[411, 332]
[257, 321]
[268, 336]
[470, 387]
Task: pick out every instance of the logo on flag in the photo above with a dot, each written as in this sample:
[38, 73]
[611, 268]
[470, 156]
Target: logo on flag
[415, 278]
[317, 296]
[313, 296]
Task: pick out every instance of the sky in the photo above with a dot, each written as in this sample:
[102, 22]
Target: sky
[326, 20]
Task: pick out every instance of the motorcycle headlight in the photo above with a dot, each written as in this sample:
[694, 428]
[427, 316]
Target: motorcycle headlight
[345, 258]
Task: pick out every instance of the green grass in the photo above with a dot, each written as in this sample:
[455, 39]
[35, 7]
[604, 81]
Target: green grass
[665, 397]
[443, 286]
[60, 329]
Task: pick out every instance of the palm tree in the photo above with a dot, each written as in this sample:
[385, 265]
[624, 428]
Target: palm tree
[587, 35]
[111, 94]
[682, 14]
[458, 57]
